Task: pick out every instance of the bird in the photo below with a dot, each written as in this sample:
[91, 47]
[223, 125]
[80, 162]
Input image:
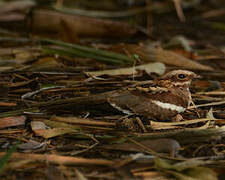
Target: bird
[161, 99]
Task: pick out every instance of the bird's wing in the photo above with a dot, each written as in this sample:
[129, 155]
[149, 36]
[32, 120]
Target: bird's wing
[136, 99]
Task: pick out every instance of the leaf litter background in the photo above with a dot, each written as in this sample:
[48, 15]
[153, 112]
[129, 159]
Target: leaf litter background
[52, 53]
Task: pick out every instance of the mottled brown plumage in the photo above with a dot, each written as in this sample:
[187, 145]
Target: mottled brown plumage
[161, 100]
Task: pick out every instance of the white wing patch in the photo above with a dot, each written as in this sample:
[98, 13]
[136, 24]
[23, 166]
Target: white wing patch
[172, 107]
[120, 109]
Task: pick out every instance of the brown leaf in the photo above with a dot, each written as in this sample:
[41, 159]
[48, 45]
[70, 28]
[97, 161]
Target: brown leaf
[147, 54]
[49, 133]
[172, 58]
[40, 129]
[12, 121]
[46, 22]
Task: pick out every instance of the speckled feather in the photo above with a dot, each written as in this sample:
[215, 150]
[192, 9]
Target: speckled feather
[161, 100]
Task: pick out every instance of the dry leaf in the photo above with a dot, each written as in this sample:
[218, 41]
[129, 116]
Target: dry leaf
[12, 121]
[148, 53]
[49, 133]
[44, 21]
[157, 68]
[40, 129]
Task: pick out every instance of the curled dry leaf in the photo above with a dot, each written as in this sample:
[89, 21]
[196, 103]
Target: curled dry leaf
[37, 125]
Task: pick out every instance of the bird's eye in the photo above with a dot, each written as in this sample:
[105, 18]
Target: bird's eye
[181, 76]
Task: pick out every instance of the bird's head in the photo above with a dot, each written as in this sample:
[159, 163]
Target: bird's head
[177, 78]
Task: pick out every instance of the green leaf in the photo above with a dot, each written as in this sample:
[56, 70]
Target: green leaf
[7, 156]
[83, 51]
